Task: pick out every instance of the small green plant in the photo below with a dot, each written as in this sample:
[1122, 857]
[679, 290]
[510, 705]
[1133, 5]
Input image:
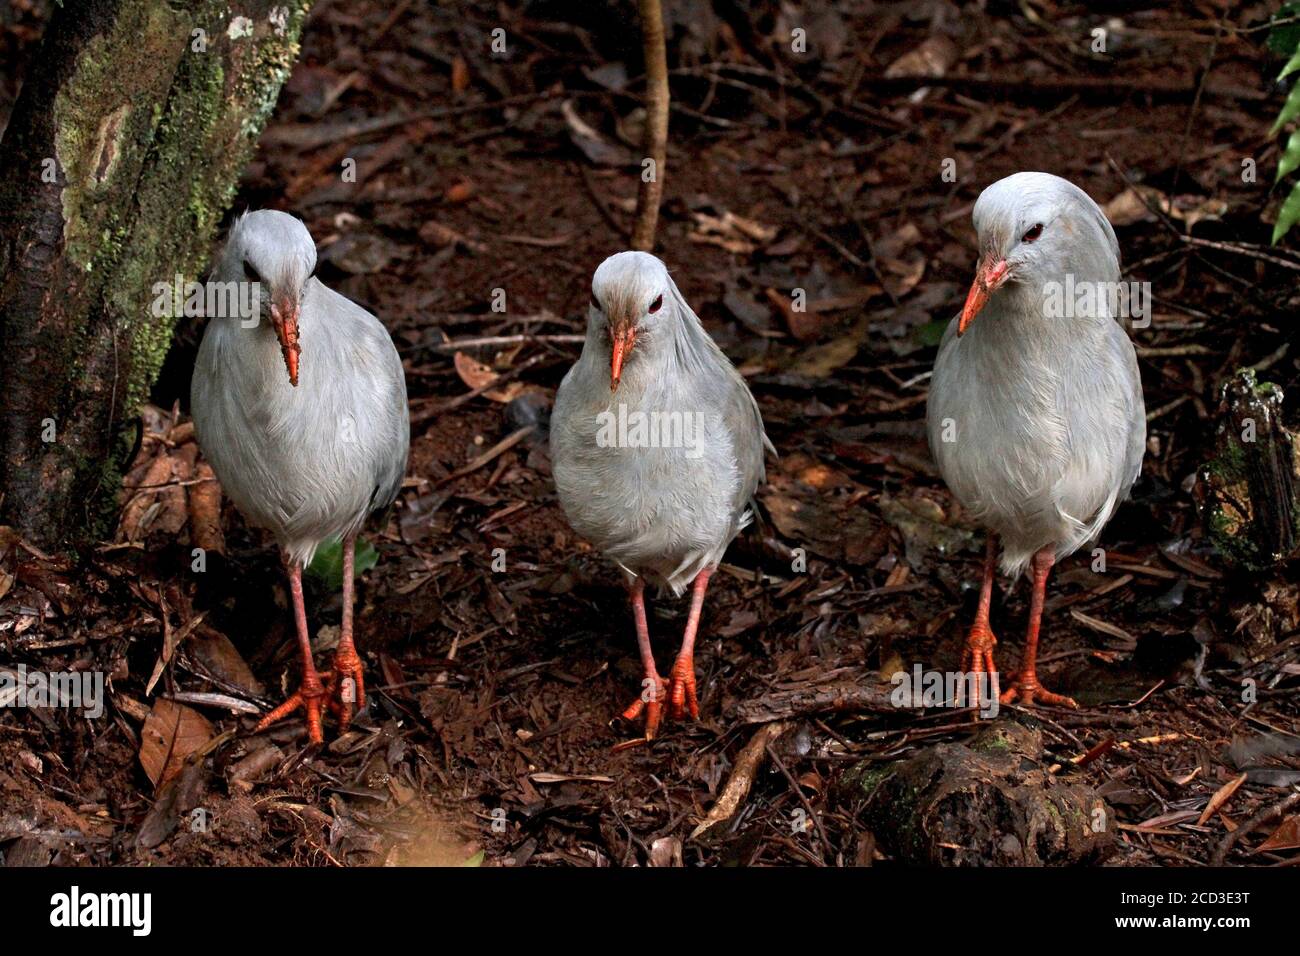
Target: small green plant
[327, 566]
[1284, 39]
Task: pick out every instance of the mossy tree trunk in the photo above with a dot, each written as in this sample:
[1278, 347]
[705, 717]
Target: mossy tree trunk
[1250, 491]
[122, 153]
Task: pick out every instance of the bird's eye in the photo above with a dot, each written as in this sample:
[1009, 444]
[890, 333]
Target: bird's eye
[1033, 233]
[654, 306]
[595, 303]
[251, 272]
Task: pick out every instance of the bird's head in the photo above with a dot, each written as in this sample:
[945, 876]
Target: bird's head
[274, 250]
[1034, 228]
[631, 295]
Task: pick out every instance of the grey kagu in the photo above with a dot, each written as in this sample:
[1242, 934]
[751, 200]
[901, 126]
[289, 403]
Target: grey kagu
[666, 513]
[1036, 420]
[304, 420]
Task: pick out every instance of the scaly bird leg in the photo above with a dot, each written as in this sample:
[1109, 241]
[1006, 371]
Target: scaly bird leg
[682, 678]
[1026, 686]
[311, 695]
[348, 682]
[977, 655]
[653, 689]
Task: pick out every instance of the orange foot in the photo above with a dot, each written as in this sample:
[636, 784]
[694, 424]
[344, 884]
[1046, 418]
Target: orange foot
[1029, 692]
[341, 689]
[681, 694]
[977, 659]
[311, 698]
[347, 686]
[653, 694]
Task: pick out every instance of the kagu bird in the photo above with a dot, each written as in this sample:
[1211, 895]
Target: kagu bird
[657, 448]
[304, 420]
[1035, 414]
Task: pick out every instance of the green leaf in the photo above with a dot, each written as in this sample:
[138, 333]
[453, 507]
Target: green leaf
[1292, 65]
[1290, 160]
[932, 332]
[1290, 109]
[475, 860]
[327, 566]
[1285, 39]
[1288, 214]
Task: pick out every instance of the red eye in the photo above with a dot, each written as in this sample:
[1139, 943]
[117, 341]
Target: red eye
[1033, 233]
[654, 306]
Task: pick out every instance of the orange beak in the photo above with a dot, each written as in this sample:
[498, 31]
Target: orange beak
[623, 340]
[284, 318]
[989, 276]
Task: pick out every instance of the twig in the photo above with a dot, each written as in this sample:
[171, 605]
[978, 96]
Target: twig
[522, 339]
[1107, 86]
[1196, 100]
[742, 776]
[425, 414]
[599, 203]
[308, 136]
[1263, 816]
[799, 794]
[829, 698]
[651, 189]
[1239, 248]
[500, 448]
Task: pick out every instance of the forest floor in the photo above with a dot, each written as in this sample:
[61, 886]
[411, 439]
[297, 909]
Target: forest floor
[493, 726]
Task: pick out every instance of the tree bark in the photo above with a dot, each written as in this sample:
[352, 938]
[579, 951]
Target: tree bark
[122, 154]
[651, 190]
[1250, 492]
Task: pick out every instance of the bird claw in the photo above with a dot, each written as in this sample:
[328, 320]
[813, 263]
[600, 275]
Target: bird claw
[346, 684]
[341, 690]
[653, 694]
[311, 700]
[976, 660]
[1029, 693]
[681, 694]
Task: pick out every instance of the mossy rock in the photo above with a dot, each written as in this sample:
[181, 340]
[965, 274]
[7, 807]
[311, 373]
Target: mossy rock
[991, 802]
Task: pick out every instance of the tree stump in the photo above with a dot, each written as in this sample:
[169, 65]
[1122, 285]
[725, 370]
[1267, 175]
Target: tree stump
[989, 803]
[1247, 493]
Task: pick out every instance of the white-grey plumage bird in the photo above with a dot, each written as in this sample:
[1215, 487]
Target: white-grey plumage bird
[310, 454]
[656, 447]
[1035, 416]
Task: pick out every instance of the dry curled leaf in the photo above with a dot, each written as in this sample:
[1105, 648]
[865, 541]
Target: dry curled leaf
[171, 733]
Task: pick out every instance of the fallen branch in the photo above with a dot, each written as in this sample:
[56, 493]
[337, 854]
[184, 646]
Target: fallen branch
[742, 776]
[833, 698]
[1260, 818]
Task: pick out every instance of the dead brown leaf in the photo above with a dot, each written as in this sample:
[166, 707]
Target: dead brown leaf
[170, 734]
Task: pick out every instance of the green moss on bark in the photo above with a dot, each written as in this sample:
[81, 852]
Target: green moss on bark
[149, 135]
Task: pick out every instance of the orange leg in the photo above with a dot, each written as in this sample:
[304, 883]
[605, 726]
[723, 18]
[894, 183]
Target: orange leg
[682, 678]
[653, 690]
[348, 677]
[1026, 687]
[311, 695]
[977, 655]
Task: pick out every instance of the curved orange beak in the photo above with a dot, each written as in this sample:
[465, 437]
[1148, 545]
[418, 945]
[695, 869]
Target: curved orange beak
[989, 276]
[622, 341]
[284, 318]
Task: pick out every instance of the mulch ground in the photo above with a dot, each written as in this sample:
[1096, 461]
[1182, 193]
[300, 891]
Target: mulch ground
[496, 687]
